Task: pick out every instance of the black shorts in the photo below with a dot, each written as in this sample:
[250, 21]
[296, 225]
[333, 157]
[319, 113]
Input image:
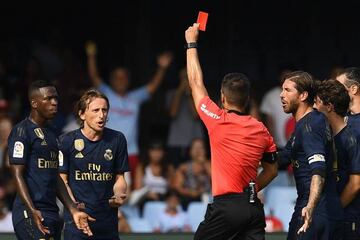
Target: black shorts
[321, 228]
[352, 230]
[26, 229]
[231, 216]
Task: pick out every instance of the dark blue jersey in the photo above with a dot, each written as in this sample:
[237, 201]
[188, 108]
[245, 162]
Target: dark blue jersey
[92, 167]
[347, 144]
[311, 152]
[37, 149]
[354, 120]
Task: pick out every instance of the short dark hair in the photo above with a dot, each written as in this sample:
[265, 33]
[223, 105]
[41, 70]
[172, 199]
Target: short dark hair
[236, 89]
[36, 85]
[352, 75]
[304, 83]
[85, 100]
[333, 92]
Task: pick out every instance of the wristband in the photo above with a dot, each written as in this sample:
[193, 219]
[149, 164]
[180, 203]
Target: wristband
[190, 45]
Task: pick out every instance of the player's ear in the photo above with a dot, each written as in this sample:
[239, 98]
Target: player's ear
[354, 89]
[303, 96]
[81, 115]
[33, 103]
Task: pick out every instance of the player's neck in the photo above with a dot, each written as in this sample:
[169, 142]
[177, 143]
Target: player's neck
[233, 108]
[91, 134]
[37, 119]
[355, 105]
[336, 122]
[302, 110]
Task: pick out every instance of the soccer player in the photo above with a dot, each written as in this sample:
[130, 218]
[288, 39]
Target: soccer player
[33, 154]
[238, 143]
[318, 208]
[333, 100]
[93, 160]
[351, 80]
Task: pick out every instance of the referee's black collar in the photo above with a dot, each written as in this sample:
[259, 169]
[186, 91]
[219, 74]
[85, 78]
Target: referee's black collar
[237, 112]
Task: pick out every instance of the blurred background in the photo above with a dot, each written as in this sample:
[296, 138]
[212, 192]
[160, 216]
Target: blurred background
[259, 38]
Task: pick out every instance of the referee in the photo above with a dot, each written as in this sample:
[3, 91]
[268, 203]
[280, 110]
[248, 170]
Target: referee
[238, 144]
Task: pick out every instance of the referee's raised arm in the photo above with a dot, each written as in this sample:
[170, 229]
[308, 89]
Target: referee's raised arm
[194, 71]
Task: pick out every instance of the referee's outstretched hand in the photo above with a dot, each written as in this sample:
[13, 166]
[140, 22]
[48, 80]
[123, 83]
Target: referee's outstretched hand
[306, 213]
[192, 33]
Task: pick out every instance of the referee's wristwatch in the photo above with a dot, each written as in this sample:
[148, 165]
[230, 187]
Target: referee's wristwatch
[191, 45]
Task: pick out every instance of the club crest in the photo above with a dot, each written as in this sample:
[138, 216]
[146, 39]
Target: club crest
[108, 155]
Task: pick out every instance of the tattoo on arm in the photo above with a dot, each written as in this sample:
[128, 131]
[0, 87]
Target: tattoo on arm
[316, 187]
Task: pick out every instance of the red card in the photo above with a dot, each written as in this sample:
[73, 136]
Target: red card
[201, 20]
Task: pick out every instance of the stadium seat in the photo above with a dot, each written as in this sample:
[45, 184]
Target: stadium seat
[281, 201]
[152, 210]
[140, 225]
[196, 212]
[130, 211]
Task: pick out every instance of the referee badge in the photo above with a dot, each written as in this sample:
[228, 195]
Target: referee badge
[108, 155]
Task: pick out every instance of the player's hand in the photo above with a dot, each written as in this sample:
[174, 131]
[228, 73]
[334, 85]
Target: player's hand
[164, 59]
[192, 33]
[81, 220]
[117, 200]
[38, 219]
[306, 213]
[90, 48]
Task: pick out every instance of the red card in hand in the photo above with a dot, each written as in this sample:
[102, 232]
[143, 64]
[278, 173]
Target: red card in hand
[201, 20]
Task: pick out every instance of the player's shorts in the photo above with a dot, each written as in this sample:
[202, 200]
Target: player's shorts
[352, 230]
[26, 229]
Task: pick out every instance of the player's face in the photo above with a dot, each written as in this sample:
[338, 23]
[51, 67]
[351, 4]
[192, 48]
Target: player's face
[47, 102]
[319, 105]
[95, 115]
[120, 80]
[156, 154]
[290, 97]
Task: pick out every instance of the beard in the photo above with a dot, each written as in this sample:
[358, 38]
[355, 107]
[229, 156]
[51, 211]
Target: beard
[291, 107]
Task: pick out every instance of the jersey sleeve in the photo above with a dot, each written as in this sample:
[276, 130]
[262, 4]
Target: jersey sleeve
[64, 154]
[122, 161]
[140, 95]
[19, 146]
[209, 113]
[314, 142]
[271, 147]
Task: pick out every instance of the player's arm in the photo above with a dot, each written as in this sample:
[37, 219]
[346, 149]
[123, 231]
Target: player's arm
[64, 178]
[93, 72]
[18, 172]
[194, 71]
[120, 188]
[316, 187]
[164, 60]
[80, 218]
[269, 170]
[351, 190]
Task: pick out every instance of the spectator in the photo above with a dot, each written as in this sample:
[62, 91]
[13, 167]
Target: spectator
[123, 225]
[192, 179]
[185, 123]
[125, 106]
[5, 217]
[172, 219]
[154, 173]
